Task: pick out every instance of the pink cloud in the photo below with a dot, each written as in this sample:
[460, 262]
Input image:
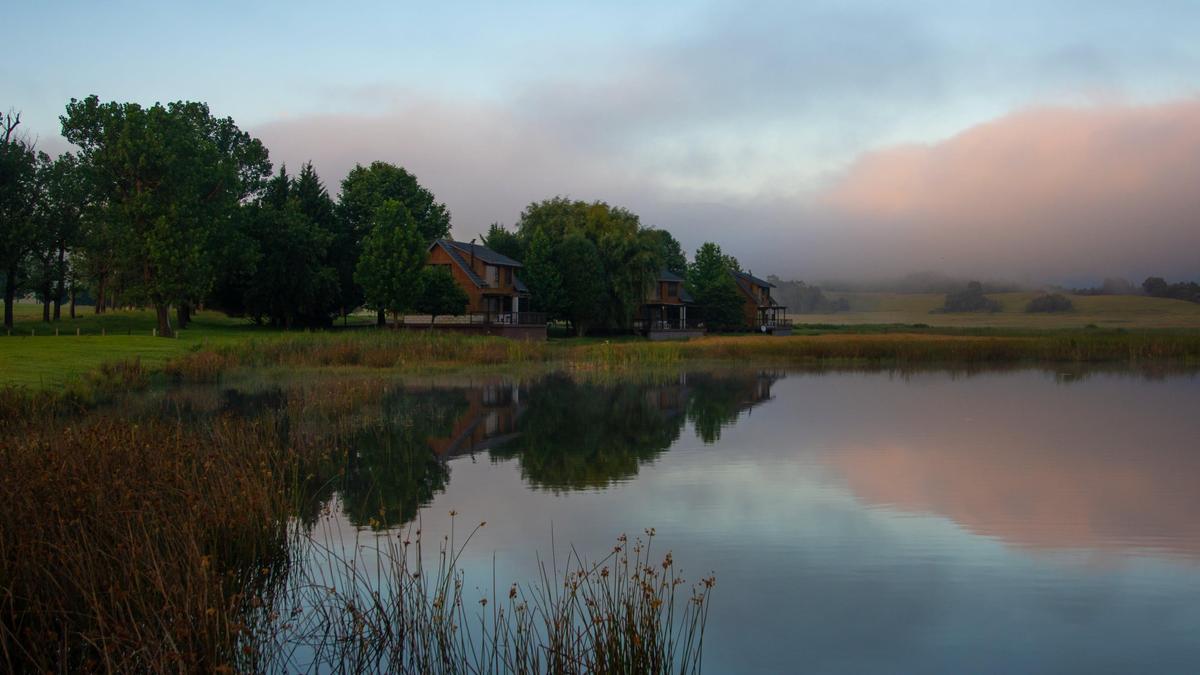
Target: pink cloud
[1042, 191]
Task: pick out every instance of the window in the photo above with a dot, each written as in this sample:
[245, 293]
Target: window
[672, 290]
[508, 276]
[491, 275]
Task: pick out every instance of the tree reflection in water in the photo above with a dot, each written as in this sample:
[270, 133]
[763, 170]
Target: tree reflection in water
[389, 445]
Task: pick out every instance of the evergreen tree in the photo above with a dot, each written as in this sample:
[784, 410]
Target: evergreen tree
[504, 242]
[714, 290]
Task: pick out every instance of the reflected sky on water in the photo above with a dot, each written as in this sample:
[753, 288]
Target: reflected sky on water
[856, 521]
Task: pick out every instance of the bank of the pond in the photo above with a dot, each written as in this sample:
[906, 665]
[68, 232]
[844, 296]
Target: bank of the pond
[208, 358]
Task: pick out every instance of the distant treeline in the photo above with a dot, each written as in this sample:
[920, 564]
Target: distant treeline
[800, 298]
[919, 282]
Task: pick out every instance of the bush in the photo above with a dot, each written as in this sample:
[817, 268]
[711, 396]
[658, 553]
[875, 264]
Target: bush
[1050, 302]
[970, 299]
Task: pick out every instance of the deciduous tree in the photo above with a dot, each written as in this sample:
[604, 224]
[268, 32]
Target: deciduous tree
[18, 198]
[171, 178]
[393, 256]
[440, 294]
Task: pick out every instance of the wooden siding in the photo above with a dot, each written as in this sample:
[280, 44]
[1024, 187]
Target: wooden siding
[661, 293]
[504, 277]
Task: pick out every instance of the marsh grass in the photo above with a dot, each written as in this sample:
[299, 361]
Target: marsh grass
[135, 547]
[418, 352]
[145, 543]
[624, 613]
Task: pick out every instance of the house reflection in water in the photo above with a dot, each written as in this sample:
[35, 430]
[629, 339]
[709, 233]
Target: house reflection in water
[489, 420]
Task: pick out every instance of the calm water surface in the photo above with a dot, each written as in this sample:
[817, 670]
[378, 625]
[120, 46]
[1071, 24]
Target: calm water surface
[856, 522]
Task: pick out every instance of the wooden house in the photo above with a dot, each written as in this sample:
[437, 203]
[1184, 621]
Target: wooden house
[489, 278]
[664, 312]
[759, 310]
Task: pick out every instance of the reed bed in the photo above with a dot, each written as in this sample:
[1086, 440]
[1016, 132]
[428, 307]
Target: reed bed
[624, 613]
[140, 543]
[135, 547]
[418, 351]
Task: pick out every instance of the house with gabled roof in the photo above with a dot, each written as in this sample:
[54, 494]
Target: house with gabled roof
[759, 310]
[495, 292]
[664, 311]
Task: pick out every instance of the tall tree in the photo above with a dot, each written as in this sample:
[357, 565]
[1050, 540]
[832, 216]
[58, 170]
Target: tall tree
[583, 281]
[628, 252]
[364, 191]
[503, 241]
[714, 289]
[541, 274]
[393, 256]
[291, 283]
[171, 179]
[18, 199]
[670, 253]
[63, 190]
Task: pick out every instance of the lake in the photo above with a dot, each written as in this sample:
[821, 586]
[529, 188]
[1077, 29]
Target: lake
[856, 521]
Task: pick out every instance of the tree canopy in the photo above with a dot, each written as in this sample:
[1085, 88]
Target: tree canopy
[170, 178]
[393, 255]
[711, 284]
[440, 294]
[623, 259]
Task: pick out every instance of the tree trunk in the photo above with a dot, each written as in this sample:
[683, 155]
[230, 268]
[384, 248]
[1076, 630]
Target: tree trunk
[100, 295]
[47, 289]
[10, 295]
[164, 319]
[72, 300]
[183, 315]
[381, 318]
[62, 283]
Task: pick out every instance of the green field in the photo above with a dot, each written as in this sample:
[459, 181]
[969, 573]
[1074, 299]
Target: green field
[1104, 311]
[880, 328]
[45, 359]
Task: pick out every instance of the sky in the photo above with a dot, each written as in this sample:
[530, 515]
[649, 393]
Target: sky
[1032, 141]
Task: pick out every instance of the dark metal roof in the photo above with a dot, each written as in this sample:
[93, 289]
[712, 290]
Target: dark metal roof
[754, 280]
[519, 285]
[463, 264]
[745, 281]
[484, 253]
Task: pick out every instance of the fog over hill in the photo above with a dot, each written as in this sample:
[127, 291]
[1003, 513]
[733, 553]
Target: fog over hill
[1067, 195]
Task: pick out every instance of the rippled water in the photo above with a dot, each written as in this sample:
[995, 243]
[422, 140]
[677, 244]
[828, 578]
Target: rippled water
[857, 522]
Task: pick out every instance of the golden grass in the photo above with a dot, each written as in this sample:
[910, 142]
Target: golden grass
[136, 544]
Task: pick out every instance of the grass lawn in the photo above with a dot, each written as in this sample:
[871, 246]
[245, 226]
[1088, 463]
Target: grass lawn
[1105, 311]
[869, 332]
[49, 360]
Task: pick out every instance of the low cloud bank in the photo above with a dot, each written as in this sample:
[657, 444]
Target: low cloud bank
[1046, 194]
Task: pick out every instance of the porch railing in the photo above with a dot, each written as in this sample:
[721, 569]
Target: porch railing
[508, 318]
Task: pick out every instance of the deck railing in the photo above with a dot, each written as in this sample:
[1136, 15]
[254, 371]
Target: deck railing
[508, 318]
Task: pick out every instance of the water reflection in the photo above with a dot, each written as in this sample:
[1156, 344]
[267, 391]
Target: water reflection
[915, 521]
[581, 435]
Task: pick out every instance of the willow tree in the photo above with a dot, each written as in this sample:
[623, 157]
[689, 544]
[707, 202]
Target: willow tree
[627, 254]
[171, 179]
